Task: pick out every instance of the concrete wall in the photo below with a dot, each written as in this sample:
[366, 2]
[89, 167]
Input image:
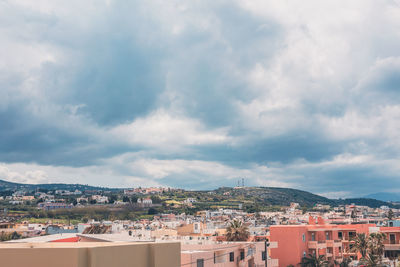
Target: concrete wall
[90, 255]
[191, 253]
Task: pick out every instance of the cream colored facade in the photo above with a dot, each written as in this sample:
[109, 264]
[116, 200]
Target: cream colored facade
[96, 254]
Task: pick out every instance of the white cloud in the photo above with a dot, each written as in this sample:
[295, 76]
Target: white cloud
[314, 69]
[166, 131]
[30, 176]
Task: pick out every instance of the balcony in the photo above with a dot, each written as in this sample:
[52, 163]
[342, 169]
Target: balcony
[316, 244]
[392, 246]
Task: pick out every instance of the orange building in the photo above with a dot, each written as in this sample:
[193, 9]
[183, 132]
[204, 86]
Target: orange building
[316, 238]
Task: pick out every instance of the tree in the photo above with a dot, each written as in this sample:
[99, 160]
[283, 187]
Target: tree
[371, 260]
[112, 199]
[303, 210]
[376, 246]
[156, 199]
[361, 244]
[134, 199]
[237, 231]
[152, 211]
[314, 261]
[390, 214]
[371, 248]
[344, 263]
[353, 214]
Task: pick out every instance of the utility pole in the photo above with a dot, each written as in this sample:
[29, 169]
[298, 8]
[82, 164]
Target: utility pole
[266, 243]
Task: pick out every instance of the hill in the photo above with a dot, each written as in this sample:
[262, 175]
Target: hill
[370, 202]
[385, 196]
[266, 196]
[276, 196]
[7, 186]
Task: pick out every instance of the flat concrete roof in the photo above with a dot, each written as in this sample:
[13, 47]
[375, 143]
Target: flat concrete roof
[69, 244]
[43, 238]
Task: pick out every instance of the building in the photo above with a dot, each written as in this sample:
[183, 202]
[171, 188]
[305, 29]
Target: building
[190, 200]
[145, 202]
[392, 242]
[238, 254]
[93, 254]
[100, 199]
[316, 238]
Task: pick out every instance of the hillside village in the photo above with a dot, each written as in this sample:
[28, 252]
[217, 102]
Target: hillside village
[199, 219]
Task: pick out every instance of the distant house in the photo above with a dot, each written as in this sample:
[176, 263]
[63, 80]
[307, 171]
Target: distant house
[100, 199]
[145, 202]
[27, 198]
[16, 202]
[190, 200]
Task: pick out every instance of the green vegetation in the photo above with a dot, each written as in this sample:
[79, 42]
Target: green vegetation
[9, 236]
[313, 261]
[249, 199]
[237, 231]
[371, 248]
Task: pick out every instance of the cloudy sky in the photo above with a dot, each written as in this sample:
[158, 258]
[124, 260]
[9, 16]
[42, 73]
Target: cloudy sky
[197, 94]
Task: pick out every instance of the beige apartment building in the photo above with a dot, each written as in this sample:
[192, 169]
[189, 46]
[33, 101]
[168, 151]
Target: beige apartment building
[92, 254]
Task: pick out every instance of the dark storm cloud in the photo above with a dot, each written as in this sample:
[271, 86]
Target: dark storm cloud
[164, 91]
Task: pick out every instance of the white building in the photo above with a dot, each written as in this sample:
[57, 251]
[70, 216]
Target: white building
[100, 199]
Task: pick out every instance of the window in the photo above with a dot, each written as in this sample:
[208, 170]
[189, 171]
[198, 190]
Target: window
[352, 235]
[340, 235]
[200, 262]
[392, 238]
[232, 256]
[304, 238]
[263, 255]
[312, 236]
[327, 236]
[250, 251]
[304, 254]
[242, 255]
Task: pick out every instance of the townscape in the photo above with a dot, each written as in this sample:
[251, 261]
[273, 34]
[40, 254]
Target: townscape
[211, 233]
[199, 133]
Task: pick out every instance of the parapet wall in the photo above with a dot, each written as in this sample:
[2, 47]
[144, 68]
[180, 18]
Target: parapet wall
[90, 255]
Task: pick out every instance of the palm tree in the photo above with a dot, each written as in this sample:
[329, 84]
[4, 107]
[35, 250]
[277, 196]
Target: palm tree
[313, 261]
[371, 260]
[376, 246]
[237, 231]
[361, 244]
[344, 263]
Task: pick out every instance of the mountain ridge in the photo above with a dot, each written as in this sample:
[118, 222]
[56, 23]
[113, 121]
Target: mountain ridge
[278, 196]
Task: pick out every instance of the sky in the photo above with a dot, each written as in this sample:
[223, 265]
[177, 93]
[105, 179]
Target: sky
[198, 94]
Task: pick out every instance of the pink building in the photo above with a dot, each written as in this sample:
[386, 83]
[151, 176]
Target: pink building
[238, 254]
[317, 238]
